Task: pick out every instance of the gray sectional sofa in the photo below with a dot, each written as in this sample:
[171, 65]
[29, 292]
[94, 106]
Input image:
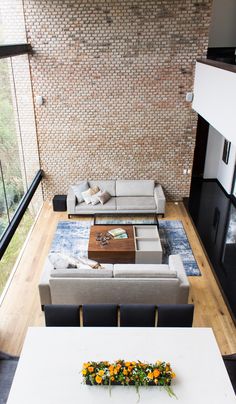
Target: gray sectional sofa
[118, 283]
[127, 197]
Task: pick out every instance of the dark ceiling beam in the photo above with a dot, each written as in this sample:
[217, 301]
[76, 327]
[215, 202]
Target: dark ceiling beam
[14, 50]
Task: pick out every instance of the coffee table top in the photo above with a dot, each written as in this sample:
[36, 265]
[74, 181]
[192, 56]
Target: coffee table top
[114, 245]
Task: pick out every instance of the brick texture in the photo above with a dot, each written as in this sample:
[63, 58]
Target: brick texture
[114, 75]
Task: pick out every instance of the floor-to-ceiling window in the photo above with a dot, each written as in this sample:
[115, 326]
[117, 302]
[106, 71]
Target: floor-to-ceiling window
[19, 158]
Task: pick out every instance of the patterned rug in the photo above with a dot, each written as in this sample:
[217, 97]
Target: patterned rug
[125, 219]
[72, 238]
[174, 241]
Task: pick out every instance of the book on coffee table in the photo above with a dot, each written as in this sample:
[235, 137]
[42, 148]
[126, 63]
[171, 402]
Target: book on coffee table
[120, 236]
[117, 232]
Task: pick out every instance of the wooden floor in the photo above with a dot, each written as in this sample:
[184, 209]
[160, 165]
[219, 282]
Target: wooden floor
[21, 306]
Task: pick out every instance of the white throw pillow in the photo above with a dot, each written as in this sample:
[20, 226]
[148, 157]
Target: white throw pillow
[78, 189]
[62, 261]
[88, 194]
[95, 199]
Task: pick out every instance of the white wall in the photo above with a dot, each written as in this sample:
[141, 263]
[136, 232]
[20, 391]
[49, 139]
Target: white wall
[214, 165]
[215, 98]
[223, 26]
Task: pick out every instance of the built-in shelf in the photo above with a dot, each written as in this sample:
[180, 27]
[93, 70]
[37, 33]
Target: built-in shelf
[148, 247]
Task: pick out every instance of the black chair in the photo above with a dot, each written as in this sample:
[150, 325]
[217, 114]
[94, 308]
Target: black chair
[100, 315]
[61, 315]
[230, 364]
[137, 315]
[175, 315]
[8, 365]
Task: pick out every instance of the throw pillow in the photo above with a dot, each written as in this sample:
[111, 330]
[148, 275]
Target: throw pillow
[94, 198]
[87, 194]
[104, 197]
[62, 261]
[78, 189]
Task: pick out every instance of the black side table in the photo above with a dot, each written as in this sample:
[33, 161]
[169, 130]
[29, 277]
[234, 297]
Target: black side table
[59, 203]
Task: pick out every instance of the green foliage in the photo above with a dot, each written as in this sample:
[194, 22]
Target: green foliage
[8, 260]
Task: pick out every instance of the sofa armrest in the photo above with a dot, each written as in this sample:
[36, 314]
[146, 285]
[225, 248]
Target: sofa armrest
[160, 199]
[71, 201]
[44, 287]
[176, 264]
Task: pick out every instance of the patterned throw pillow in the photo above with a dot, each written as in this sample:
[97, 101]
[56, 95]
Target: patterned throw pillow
[104, 197]
[88, 194]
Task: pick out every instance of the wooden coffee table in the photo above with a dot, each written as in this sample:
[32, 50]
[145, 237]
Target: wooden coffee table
[117, 251]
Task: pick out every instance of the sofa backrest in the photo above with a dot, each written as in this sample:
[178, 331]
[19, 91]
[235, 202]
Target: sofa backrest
[143, 271]
[105, 185]
[114, 290]
[83, 272]
[135, 187]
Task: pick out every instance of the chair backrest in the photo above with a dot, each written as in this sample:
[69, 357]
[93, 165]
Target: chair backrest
[61, 315]
[175, 315]
[100, 315]
[230, 364]
[137, 315]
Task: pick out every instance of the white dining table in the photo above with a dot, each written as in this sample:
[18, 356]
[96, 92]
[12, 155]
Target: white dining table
[49, 369]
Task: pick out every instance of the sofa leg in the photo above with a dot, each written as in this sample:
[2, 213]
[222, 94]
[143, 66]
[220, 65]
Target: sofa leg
[69, 216]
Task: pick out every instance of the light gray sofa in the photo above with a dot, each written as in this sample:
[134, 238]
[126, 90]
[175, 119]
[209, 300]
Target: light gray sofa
[128, 196]
[118, 283]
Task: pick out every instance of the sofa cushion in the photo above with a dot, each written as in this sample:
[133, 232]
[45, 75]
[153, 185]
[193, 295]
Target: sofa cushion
[78, 189]
[143, 271]
[106, 185]
[135, 203]
[84, 272]
[135, 187]
[110, 205]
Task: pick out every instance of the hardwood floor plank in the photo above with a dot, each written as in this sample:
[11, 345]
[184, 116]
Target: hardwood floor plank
[21, 306]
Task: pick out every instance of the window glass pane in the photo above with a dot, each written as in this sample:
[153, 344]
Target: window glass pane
[12, 169]
[9, 258]
[3, 208]
[12, 27]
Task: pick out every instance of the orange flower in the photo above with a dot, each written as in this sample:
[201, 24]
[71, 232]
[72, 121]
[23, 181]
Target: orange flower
[98, 379]
[127, 364]
[156, 373]
[150, 375]
[125, 372]
[111, 367]
[115, 371]
[101, 372]
[112, 379]
[90, 369]
[86, 365]
[173, 375]
[130, 368]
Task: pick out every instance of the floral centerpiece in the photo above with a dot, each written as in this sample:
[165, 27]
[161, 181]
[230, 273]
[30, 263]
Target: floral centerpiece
[128, 373]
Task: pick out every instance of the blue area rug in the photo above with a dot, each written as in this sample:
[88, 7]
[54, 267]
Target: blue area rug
[174, 241]
[72, 238]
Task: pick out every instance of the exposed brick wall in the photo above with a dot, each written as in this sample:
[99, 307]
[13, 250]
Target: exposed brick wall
[114, 75]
